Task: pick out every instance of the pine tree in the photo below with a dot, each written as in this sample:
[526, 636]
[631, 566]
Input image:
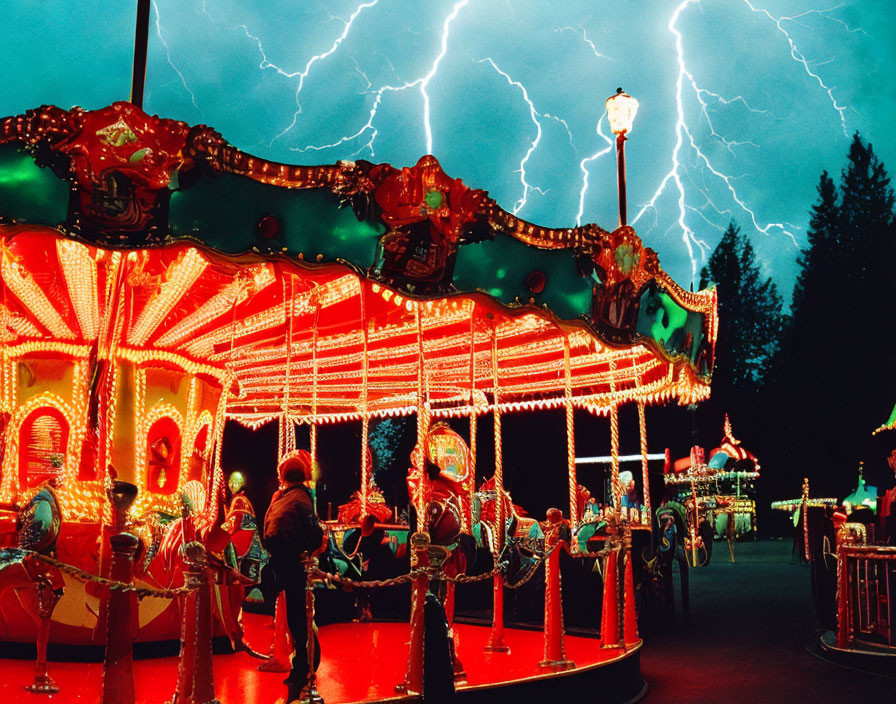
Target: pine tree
[749, 317]
[836, 374]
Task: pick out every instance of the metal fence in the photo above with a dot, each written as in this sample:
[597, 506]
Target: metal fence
[866, 587]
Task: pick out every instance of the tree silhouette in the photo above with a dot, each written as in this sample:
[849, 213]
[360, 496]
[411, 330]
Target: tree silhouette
[749, 317]
[835, 376]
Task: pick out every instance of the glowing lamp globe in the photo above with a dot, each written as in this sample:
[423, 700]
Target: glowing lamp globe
[621, 111]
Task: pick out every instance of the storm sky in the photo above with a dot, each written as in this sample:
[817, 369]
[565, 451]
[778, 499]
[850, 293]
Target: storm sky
[743, 102]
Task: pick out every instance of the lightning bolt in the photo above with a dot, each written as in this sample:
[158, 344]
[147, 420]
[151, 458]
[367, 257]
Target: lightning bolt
[703, 190]
[533, 145]
[424, 82]
[583, 165]
[303, 74]
[421, 83]
[183, 80]
[586, 40]
[801, 59]
[684, 139]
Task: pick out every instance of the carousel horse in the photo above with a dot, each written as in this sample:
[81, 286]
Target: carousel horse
[37, 584]
[195, 524]
[671, 518]
[438, 482]
[523, 543]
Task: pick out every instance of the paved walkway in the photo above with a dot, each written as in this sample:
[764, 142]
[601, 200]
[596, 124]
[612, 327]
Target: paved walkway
[750, 625]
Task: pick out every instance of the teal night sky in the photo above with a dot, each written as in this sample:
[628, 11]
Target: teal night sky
[743, 102]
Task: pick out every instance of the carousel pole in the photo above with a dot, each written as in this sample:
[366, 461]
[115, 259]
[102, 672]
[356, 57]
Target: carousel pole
[570, 445]
[614, 449]
[805, 508]
[313, 430]
[615, 559]
[496, 637]
[365, 417]
[419, 540]
[694, 521]
[645, 475]
[614, 439]
[287, 431]
[422, 425]
[471, 479]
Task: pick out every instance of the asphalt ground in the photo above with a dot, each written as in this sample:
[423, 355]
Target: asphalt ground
[751, 624]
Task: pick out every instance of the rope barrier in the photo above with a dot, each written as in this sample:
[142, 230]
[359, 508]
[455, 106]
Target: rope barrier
[322, 576]
[435, 573]
[86, 576]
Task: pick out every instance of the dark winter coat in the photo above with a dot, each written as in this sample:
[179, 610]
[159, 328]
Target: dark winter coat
[291, 527]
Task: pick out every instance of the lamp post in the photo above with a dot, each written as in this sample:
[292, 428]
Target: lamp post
[621, 110]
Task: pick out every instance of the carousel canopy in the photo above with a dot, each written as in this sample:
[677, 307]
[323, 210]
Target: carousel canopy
[325, 292]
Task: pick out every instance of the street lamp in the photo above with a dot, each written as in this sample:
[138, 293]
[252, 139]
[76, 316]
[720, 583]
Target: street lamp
[621, 110]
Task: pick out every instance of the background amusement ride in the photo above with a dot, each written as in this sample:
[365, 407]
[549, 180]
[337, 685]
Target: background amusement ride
[156, 281]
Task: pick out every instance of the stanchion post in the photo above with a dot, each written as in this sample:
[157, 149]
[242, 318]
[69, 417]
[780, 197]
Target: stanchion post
[413, 681]
[609, 621]
[282, 647]
[612, 606]
[554, 647]
[118, 665]
[629, 616]
[460, 674]
[496, 637]
[195, 676]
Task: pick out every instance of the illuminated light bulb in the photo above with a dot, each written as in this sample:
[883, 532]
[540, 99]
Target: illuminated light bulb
[23, 285]
[180, 276]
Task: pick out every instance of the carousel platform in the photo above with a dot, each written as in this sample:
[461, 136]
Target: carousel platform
[362, 662]
[866, 657]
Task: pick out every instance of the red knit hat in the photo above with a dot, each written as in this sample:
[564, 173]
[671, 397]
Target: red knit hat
[297, 461]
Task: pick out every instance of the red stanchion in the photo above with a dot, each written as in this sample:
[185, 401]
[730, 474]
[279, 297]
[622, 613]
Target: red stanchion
[413, 681]
[609, 620]
[282, 648]
[496, 637]
[118, 665]
[460, 674]
[554, 647]
[630, 619]
[195, 676]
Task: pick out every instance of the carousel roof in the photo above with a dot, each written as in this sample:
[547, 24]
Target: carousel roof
[274, 326]
[419, 268]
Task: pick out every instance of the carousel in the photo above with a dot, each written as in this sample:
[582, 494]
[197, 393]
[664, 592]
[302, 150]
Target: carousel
[716, 499]
[156, 282]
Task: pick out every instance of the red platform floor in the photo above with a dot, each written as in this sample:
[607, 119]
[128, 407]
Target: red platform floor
[361, 662]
